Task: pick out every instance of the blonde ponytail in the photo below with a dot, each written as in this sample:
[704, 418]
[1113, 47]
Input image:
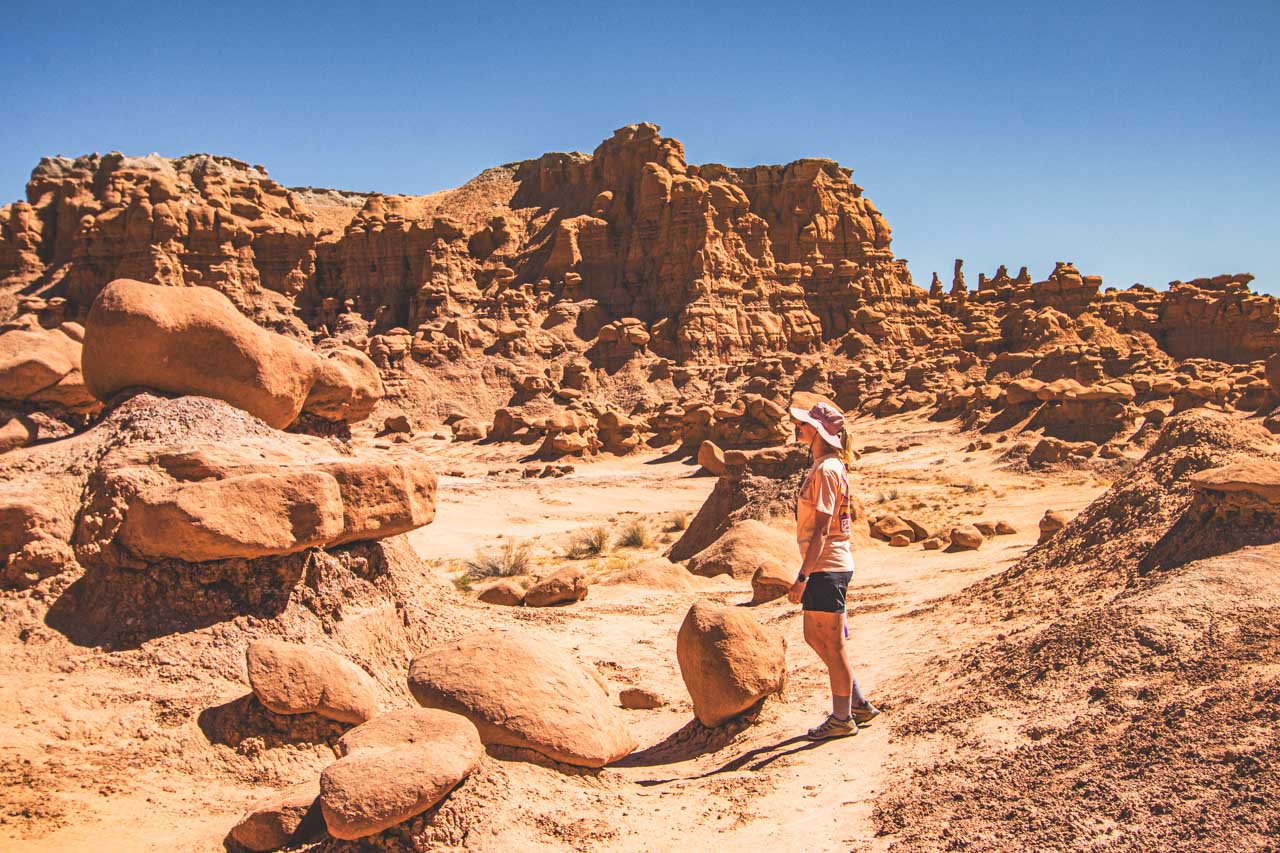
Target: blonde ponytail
[847, 453]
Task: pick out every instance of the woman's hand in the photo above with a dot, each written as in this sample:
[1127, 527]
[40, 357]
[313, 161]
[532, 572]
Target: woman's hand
[796, 593]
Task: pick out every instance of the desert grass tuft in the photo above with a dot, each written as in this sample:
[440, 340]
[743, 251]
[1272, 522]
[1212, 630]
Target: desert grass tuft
[635, 534]
[513, 558]
[589, 543]
[677, 521]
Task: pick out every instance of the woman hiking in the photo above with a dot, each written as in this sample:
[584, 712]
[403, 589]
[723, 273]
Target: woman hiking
[823, 528]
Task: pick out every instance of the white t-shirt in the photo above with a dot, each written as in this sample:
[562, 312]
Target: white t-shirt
[826, 489]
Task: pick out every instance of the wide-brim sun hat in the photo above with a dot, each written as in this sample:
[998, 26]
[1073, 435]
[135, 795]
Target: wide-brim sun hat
[826, 419]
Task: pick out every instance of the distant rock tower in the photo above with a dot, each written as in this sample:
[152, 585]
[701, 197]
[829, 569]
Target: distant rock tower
[935, 287]
[959, 290]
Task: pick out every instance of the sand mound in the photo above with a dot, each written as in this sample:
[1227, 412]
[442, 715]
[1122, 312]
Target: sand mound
[1131, 702]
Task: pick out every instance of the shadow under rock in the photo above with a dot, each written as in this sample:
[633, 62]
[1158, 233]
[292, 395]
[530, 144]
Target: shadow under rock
[690, 741]
[117, 608]
[243, 719]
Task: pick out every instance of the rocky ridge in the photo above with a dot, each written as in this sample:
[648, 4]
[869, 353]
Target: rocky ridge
[599, 303]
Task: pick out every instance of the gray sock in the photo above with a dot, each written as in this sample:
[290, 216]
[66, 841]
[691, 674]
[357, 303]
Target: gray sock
[858, 698]
[840, 707]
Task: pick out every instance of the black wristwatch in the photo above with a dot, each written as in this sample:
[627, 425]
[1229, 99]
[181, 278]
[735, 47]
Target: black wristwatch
[802, 578]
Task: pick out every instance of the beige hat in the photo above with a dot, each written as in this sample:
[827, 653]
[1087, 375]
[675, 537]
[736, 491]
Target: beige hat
[825, 419]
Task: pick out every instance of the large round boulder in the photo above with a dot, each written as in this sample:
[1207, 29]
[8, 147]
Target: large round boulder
[293, 679]
[346, 387]
[394, 767]
[523, 693]
[728, 661]
[192, 340]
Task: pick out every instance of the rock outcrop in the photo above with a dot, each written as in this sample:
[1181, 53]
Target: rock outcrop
[646, 300]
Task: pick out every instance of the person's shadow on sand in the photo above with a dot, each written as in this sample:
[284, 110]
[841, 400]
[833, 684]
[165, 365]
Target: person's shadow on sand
[694, 739]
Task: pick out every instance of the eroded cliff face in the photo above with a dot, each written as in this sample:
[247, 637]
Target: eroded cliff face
[719, 262]
[630, 289]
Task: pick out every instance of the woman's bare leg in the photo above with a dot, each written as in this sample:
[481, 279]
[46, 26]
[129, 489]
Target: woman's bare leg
[824, 632]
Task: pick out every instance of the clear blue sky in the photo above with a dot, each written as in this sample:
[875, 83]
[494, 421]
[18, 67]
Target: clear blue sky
[1139, 140]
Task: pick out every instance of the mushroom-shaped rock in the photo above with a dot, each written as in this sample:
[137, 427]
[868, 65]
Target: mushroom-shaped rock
[745, 548]
[192, 340]
[506, 592]
[523, 693]
[395, 767]
[1051, 523]
[562, 587]
[293, 679]
[287, 818]
[728, 661]
[966, 537]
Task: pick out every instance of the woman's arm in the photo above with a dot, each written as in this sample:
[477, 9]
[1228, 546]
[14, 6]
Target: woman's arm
[811, 554]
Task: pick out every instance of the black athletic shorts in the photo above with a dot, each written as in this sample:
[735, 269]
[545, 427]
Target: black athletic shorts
[825, 591]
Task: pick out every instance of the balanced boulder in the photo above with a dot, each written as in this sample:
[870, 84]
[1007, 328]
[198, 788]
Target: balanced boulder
[394, 767]
[524, 693]
[293, 679]
[346, 386]
[728, 661]
[287, 818]
[192, 340]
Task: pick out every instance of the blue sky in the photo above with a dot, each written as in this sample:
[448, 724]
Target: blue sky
[1138, 140]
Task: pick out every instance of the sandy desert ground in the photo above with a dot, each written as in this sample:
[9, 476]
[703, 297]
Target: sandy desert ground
[99, 752]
